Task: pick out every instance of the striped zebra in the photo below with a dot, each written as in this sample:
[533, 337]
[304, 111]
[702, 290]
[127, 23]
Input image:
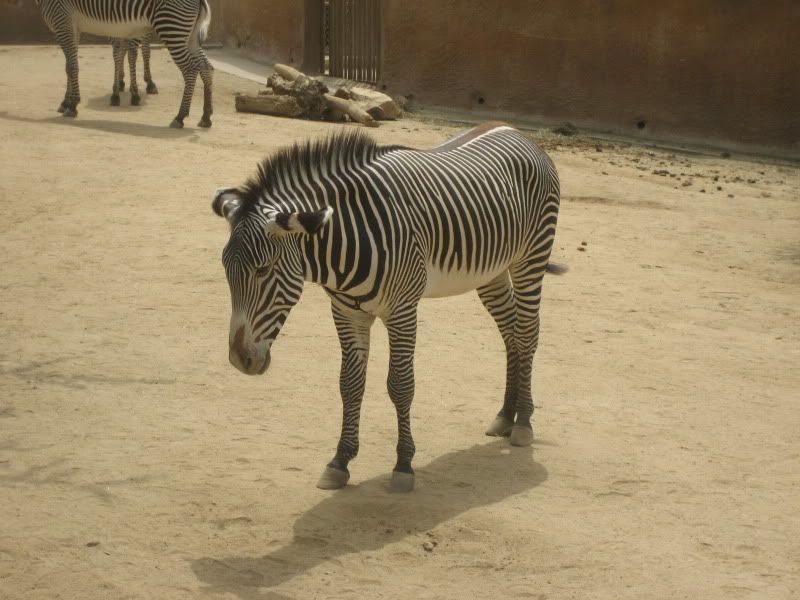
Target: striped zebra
[120, 48]
[380, 228]
[181, 25]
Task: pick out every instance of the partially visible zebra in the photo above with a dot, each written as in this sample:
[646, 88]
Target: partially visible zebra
[380, 228]
[181, 25]
[121, 47]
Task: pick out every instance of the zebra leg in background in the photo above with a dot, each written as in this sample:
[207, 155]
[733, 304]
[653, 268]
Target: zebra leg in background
[527, 279]
[498, 298]
[402, 328]
[118, 48]
[207, 74]
[133, 54]
[151, 85]
[68, 40]
[353, 329]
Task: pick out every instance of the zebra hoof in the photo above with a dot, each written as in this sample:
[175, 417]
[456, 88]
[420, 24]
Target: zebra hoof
[401, 482]
[70, 112]
[115, 100]
[333, 479]
[521, 435]
[176, 124]
[151, 88]
[135, 100]
[62, 107]
[205, 122]
[500, 427]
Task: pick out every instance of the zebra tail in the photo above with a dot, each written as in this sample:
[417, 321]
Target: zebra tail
[556, 268]
[203, 21]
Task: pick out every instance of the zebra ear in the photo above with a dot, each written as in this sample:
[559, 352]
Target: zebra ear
[302, 222]
[226, 201]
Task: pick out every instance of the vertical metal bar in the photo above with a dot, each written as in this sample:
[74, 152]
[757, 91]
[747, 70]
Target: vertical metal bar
[380, 38]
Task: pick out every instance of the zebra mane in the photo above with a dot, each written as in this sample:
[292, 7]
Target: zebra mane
[332, 155]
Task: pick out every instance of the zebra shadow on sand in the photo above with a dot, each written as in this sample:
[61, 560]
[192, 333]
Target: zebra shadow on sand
[122, 127]
[366, 517]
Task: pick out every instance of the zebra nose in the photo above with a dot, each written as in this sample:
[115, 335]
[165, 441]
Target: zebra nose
[239, 355]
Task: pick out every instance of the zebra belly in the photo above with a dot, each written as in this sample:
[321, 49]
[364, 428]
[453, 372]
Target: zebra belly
[440, 284]
[116, 29]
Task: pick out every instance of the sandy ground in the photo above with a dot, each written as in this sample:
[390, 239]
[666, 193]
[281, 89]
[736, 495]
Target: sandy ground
[135, 462]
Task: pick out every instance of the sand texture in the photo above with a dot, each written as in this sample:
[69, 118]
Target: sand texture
[136, 463]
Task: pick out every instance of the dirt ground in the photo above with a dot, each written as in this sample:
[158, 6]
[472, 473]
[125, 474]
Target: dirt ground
[135, 462]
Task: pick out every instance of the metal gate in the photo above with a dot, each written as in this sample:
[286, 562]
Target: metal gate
[353, 39]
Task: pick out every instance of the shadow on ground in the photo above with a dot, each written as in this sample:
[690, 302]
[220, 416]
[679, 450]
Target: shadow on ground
[367, 517]
[135, 129]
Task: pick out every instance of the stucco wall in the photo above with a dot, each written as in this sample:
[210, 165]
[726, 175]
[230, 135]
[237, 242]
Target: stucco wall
[720, 70]
[268, 29]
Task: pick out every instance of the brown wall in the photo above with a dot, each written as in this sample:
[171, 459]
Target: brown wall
[21, 23]
[718, 71]
[269, 29]
[713, 70]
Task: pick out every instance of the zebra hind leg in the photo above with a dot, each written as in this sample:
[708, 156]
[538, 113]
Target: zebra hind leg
[402, 328]
[353, 329]
[151, 85]
[68, 40]
[498, 298]
[207, 74]
[527, 292]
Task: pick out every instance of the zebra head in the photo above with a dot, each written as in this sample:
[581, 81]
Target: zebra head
[264, 267]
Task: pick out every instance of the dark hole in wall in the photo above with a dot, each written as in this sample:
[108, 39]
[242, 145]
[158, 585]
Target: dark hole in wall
[641, 124]
[481, 100]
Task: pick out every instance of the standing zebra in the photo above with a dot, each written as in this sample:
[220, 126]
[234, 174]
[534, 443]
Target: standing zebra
[121, 47]
[381, 227]
[181, 25]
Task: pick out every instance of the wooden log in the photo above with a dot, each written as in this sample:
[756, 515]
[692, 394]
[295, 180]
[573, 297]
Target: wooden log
[270, 104]
[288, 72]
[378, 104]
[351, 109]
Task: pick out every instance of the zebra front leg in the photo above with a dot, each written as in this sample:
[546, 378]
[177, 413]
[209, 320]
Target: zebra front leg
[68, 40]
[151, 85]
[527, 294]
[118, 52]
[402, 328]
[353, 329]
[133, 54]
[498, 298]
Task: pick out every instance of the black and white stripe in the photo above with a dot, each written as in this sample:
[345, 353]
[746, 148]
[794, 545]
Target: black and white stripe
[181, 25]
[380, 228]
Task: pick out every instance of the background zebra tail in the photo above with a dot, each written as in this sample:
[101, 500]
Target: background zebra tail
[556, 268]
[203, 21]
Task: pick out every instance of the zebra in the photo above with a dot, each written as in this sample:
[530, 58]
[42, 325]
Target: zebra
[181, 25]
[380, 228]
[121, 47]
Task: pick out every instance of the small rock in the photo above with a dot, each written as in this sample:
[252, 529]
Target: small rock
[92, 544]
[429, 545]
[719, 188]
[584, 244]
[581, 249]
[686, 183]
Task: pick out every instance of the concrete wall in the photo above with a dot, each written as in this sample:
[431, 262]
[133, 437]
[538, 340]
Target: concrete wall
[272, 30]
[726, 71]
[718, 71]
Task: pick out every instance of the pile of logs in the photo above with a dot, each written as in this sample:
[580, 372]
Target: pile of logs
[291, 93]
